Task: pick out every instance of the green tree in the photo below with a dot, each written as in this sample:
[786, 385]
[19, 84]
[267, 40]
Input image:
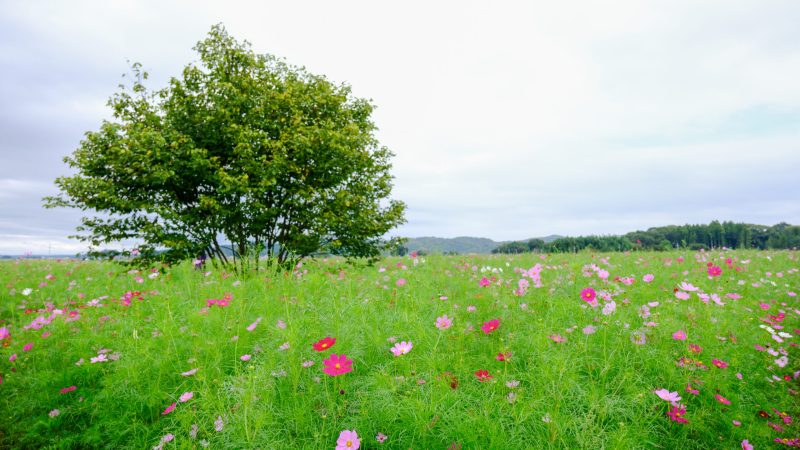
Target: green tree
[241, 149]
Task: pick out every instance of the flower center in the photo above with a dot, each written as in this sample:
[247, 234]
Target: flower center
[349, 443]
[338, 366]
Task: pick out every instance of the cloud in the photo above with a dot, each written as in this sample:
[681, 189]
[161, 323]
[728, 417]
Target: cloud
[508, 120]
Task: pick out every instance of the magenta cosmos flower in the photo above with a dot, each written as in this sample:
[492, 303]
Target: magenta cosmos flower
[490, 326]
[676, 413]
[348, 440]
[337, 365]
[719, 363]
[484, 282]
[588, 295]
[679, 335]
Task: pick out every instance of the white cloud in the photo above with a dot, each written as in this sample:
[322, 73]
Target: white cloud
[508, 120]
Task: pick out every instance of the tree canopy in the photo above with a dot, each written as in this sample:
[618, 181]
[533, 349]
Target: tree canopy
[244, 150]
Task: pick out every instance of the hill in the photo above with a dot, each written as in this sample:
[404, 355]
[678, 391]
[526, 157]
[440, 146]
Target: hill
[461, 244]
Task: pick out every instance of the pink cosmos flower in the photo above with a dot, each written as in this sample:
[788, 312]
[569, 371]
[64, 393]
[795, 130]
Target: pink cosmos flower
[189, 373]
[589, 329]
[169, 409]
[680, 295]
[648, 278]
[54, 413]
[401, 348]
[746, 445]
[245, 357]
[609, 308]
[490, 326]
[337, 365]
[722, 399]
[689, 389]
[401, 282]
[443, 322]
[484, 282]
[381, 438]
[4, 333]
[348, 440]
[186, 396]
[253, 325]
[714, 271]
[68, 389]
[694, 348]
[27, 347]
[557, 338]
[679, 335]
[666, 395]
[12, 358]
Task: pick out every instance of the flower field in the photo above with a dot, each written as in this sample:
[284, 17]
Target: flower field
[680, 350]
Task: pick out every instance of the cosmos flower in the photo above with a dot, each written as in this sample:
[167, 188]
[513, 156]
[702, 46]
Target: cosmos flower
[676, 413]
[348, 440]
[483, 376]
[337, 365]
[443, 322]
[401, 348]
[490, 326]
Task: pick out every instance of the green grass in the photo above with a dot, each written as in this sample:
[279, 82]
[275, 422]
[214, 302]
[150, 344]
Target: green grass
[592, 391]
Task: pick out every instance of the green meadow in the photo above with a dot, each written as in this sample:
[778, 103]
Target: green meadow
[498, 352]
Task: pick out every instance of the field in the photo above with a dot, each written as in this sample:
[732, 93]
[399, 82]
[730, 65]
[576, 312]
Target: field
[456, 352]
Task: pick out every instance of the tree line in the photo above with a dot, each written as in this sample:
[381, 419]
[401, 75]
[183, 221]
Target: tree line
[714, 235]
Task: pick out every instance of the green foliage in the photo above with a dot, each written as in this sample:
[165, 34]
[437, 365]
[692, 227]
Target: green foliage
[242, 148]
[714, 235]
[592, 391]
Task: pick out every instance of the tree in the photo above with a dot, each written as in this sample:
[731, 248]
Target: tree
[243, 149]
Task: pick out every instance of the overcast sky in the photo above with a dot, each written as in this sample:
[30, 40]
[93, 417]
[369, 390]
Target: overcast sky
[509, 120]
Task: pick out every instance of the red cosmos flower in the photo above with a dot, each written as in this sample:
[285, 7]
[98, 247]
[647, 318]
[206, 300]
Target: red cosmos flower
[490, 326]
[324, 344]
[483, 375]
[337, 365]
[68, 389]
[503, 356]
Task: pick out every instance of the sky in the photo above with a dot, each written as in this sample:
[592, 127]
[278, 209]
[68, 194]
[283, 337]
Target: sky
[508, 120]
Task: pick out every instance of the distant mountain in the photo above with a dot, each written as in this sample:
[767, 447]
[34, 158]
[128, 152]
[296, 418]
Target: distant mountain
[461, 244]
